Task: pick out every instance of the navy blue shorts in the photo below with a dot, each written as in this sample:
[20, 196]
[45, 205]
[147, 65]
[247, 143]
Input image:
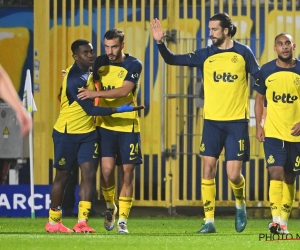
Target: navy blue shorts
[232, 136]
[125, 147]
[282, 153]
[67, 155]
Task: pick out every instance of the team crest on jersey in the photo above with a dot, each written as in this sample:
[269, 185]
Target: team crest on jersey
[207, 203]
[62, 162]
[297, 81]
[202, 147]
[121, 74]
[271, 159]
[234, 59]
[286, 208]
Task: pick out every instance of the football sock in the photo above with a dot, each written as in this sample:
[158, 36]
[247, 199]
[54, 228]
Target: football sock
[109, 196]
[208, 188]
[125, 204]
[275, 196]
[84, 208]
[55, 215]
[288, 196]
[239, 193]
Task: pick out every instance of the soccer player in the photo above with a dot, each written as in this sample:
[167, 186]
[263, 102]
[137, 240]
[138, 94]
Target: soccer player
[279, 84]
[118, 74]
[225, 66]
[75, 139]
[9, 94]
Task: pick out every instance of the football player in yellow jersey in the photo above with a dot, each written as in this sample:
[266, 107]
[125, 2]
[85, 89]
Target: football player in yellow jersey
[225, 66]
[76, 140]
[118, 75]
[9, 94]
[279, 84]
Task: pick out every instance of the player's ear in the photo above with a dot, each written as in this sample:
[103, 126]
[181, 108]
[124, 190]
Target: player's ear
[123, 45]
[226, 31]
[75, 57]
[294, 46]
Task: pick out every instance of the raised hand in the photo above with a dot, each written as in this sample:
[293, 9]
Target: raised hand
[157, 31]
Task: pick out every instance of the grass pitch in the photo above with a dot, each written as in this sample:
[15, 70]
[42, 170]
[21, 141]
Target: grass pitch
[145, 233]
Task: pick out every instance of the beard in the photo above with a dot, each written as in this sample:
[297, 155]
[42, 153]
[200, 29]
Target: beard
[112, 57]
[285, 59]
[219, 41]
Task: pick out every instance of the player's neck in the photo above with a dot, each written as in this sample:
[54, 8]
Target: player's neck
[288, 64]
[228, 43]
[121, 59]
[83, 67]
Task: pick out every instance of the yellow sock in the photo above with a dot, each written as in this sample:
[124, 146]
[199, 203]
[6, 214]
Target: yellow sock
[125, 204]
[84, 209]
[288, 196]
[55, 216]
[275, 197]
[208, 197]
[109, 196]
[239, 193]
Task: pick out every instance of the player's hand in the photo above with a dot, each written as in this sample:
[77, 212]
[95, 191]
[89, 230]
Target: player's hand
[128, 108]
[157, 31]
[63, 73]
[260, 133]
[86, 94]
[296, 129]
[25, 121]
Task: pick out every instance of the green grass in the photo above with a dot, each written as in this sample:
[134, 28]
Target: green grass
[145, 233]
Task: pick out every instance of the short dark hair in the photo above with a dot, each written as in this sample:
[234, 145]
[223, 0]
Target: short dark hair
[76, 44]
[225, 22]
[114, 33]
[282, 34]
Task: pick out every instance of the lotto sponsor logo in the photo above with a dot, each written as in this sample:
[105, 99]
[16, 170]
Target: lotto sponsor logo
[135, 75]
[225, 77]
[284, 98]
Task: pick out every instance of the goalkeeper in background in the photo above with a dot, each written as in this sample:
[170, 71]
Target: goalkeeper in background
[279, 84]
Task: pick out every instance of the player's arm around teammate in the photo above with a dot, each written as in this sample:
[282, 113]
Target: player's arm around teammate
[75, 139]
[118, 74]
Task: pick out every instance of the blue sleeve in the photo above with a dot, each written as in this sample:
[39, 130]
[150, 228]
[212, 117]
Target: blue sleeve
[134, 72]
[193, 59]
[74, 83]
[260, 84]
[252, 64]
[92, 110]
